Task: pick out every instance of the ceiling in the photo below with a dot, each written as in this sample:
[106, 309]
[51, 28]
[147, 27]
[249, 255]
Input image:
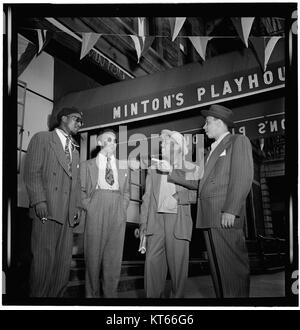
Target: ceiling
[115, 46]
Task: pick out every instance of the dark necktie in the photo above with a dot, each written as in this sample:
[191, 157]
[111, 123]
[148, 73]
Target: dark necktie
[68, 155]
[109, 176]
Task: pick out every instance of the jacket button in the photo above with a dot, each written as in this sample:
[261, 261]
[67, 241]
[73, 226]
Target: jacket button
[54, 173]
[56, 188]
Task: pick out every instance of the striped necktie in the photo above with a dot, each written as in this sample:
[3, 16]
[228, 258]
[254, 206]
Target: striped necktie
[109, 176]
[68, 154]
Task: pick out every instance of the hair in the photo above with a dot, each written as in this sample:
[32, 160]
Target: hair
[106, 131]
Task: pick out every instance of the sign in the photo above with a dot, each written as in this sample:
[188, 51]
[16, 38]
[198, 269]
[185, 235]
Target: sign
[262, 126]
[228, 87]
[106, 65]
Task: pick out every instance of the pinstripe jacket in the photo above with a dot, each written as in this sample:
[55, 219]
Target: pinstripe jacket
[184, 223]
[226, 182]
[47, 178]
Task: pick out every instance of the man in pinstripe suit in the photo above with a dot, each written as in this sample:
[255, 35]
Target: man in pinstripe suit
[52, 179]
[222, 192]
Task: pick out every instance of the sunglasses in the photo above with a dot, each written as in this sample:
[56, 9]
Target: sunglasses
[77, 119]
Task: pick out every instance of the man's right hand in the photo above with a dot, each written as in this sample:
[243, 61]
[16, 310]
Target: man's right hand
[41, 210]
[163, 165]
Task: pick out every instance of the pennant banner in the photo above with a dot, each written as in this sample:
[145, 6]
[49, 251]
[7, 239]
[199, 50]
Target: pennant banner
[141, 27]
[258, 45]
[243, 26]
[263, 48]
[142, 44]
[200, 44]
[176, 25]
[269, 49]
[88, 42]
[41, 40]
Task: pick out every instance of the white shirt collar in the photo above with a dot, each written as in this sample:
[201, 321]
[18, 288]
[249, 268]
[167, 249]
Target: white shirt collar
[217, 142]
[60, 133]
[101, 156]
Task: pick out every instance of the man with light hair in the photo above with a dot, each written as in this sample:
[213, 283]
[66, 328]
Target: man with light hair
[105, 187]
[166, 221]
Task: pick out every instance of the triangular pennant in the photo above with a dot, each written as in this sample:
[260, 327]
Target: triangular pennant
[147, 44]
[200, 44]
[142, 44]
[88, 42]
[141, 26]
[138, 44]
[258, 44]
[42, 34]
[243, 27]
[269, 49]
[176, 25]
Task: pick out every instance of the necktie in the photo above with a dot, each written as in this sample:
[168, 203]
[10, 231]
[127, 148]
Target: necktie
[109, 176]
[68, 155]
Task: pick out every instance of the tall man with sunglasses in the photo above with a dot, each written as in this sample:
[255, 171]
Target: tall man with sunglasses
[53, 183]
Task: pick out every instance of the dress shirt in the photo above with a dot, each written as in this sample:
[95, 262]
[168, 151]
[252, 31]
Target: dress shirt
[101, 161]
[166, 202]
[63, 138]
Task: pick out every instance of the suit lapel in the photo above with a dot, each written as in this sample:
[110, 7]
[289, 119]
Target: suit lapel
[213, 158]
[58, 149]
[75, 162]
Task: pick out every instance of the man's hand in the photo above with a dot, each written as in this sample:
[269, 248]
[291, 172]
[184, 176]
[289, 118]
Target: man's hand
[41, 210]
[77, 217]
[175, 196]
[227, 220]
[162, 165]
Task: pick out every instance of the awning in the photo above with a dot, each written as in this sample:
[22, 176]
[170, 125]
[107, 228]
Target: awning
[222, 78]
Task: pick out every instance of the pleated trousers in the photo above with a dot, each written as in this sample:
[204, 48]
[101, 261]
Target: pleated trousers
[229, 262]
[166, 252]
[51, 246]
[103, 243]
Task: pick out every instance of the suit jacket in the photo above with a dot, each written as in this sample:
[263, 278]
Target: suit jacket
[226, 182]
[89, 180]
[184, 224]
[47, 178]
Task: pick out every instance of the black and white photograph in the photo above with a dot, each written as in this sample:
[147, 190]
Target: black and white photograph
[157, 155]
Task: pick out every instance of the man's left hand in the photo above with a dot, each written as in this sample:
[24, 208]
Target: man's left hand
[77, 217]
[227, 220]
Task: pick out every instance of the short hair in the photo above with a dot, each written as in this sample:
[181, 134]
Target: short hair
[106, 131]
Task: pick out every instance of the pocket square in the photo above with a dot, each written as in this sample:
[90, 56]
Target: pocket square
[223, 153]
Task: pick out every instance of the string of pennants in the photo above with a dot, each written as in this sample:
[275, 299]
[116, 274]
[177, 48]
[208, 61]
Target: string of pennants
[263, 46]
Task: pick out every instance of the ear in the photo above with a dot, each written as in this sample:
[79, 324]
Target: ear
[99, 142]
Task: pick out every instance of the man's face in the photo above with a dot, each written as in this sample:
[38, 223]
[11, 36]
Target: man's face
[108, 142]
[212, 127]
[73, 123]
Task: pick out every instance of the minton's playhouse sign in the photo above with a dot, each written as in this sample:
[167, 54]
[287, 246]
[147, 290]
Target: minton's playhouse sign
[225, 88]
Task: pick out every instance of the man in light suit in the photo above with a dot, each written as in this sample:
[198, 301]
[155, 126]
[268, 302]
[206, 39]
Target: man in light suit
[52, 179]
[105, 185]
[166, 221]
[222, 192]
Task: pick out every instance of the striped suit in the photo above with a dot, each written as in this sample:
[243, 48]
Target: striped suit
[226, 182]
[47, 179]
[104, 229]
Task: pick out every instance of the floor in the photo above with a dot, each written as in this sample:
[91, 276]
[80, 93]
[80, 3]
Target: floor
[265, 285]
